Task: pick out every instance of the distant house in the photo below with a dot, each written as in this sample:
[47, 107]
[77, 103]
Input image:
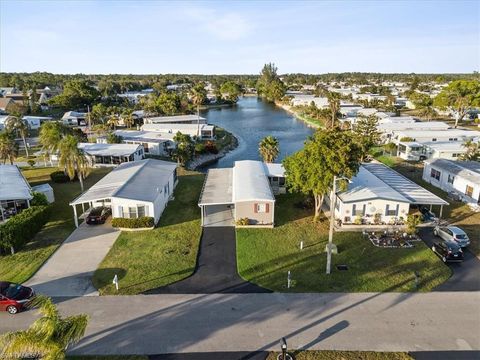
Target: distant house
[389, 127]
[6, 105]
[204, 131]
[36, 121]
[379, 192]
[460, 177]
[74, 118]
[15, 192]
[424, 135]
[245, 192]
[153, 143]
[416, 151]
[101, 155]
[132, 190]
[178, 119]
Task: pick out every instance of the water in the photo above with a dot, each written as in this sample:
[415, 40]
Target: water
[250, 121]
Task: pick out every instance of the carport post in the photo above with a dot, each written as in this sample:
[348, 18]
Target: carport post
[201, 210]
[75, 215]
[441, 211]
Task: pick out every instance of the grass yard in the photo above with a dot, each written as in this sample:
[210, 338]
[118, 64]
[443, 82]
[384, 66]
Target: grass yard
[265, 255]
[146, 260]
[21, 266]
[344, 355]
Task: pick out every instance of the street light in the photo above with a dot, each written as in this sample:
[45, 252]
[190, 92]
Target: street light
[332, 219]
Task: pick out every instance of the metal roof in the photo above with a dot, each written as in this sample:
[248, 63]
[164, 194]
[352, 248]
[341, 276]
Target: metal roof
[13, 185]
[413, 192]
[437, 133]
[138, 180]
[250, 182]
[469, 170]
[217, 188]
[108, 149]
[274, 169]
[174, 128]
[173, 119]
[418, 125]
[144, 136]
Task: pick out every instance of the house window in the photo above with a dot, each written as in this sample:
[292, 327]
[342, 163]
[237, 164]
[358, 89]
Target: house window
[281, 181]
[469, 191]
[261, 208]
[141, 210]
[358, 212]
[435, 174]
[391, 210]
[450, 179]
[434, 139]
[132, 212]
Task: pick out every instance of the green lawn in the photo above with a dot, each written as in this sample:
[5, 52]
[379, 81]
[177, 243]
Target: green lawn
[21, 266]
[148, 259]
[345, 355]
[265, 255]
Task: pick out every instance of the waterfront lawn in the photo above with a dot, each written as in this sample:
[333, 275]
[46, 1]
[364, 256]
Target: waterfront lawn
[23, 264]
[457, 213]
[343, 355]
[265, 256]
[146, 260]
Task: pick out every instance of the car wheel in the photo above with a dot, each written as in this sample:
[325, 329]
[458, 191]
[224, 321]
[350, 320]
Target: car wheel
[12, 309]
[444, 259]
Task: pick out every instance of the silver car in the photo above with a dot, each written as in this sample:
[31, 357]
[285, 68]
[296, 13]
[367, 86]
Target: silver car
[452, 233]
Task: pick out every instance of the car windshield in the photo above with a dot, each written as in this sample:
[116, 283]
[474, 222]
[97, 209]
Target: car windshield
[453, 247]
[96, 212]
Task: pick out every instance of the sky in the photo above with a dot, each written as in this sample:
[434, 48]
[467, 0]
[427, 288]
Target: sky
[238, 37]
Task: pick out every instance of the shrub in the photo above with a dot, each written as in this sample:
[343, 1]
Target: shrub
[39, 199]
[358, 220]
[136, 223]
[243, 221]
[412, 222]
[21, 228]
[59, 177]
[377, 219]
[31, 162]
[199, 148]
[211, 147]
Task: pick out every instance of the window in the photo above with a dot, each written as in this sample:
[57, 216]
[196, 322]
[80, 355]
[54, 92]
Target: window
[469, 191]
[391, 210]
[434, 139]
[141, 210]
[356, 212]
[262, 208]
[435, 174]
[281, 181]
[450, 179]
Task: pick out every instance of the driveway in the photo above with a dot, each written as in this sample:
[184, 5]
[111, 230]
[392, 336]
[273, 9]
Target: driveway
[69, 270]
[466, 275]
[216, 270]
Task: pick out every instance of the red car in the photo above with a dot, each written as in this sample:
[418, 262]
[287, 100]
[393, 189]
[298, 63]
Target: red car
[14, 297]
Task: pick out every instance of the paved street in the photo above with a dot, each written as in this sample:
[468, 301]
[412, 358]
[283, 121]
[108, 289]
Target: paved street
[216, 270]
[69, 271]
[466, 275]
[156, 324]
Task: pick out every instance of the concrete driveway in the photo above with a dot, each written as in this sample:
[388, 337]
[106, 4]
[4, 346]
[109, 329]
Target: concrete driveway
[466, 275]
[216, 270]
[69, 270]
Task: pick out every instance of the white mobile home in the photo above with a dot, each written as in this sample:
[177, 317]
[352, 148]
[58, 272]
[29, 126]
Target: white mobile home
[379, 194]
[204, 131]
[111, 154]
[36, 121]
[74, 118]
[153, 143]
[15, 192]
[178, 119]
[461, 177]
[132, 190]
[435, 135]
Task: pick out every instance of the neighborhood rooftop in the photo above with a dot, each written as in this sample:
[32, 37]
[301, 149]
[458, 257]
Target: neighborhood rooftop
[173, 119]
[96, 149]
[12, 184]
[131, 180]
[217, 188]
[415, 194]
[469, 170]
[144, 136]
[250, 182]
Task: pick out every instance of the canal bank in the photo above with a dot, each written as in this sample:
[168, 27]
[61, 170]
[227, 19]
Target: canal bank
[305, 119]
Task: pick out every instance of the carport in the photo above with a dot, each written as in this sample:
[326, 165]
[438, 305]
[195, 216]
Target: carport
[216, 204]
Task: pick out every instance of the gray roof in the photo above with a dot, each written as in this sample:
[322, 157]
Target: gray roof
[250, 182]
[414, 193]
[217, 188]
[173, 119]
[13, 185]
[138, 180]
[469, 170]
[144, 136]
[109, 149]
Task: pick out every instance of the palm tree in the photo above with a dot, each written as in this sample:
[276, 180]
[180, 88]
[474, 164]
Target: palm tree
[20, 126]
[472, 151]
[47, 338]
[334, 105]
[269, 149]
[72, 159]
[427, 112]
[8, 147]
[113, 120]
[127, 117]
[198, 94]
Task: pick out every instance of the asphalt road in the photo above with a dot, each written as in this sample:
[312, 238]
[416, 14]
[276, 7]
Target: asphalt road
[466, 275]
[166, 324]
[216, 270]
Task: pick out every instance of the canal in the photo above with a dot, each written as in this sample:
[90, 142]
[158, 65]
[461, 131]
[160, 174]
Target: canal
[251, 120]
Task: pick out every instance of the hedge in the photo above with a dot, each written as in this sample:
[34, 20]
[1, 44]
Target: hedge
[141, 222]
[21, 228]
[59, 177]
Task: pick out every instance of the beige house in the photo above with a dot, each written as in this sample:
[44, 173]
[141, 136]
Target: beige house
[242, 195]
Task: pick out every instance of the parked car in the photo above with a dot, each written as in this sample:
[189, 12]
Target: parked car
[14, 297]
[452, 233]
[98, 215]
[427, 215]
[449, 251]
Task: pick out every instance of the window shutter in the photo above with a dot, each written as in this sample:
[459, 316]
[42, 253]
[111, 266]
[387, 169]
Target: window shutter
[255, 208]
[364, 210]
[386, 210]
[396, 210]
[267, 208]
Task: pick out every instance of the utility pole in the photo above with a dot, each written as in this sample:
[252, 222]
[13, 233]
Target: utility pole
[332, 219]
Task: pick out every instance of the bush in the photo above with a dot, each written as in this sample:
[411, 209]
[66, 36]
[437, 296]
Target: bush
[39, 199]
[21, 228]
[243, 221]
[199, 148]
[59, 177]
[211, 147]
[412, 222]
[31, 162]
[138, 223]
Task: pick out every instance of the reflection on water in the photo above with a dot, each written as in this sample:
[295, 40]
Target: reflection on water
[251, 120]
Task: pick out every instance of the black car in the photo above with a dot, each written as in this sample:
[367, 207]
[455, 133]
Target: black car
[448, 251]
[14, 297]
[427, 215]
[98, 215]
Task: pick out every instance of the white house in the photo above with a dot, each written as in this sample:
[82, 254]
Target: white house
[132, 190]
[435, 135]
[153, 143]
[415, 151]
[390, 128]
[15, 191]
[74, 118]
[306, 100]
[100, 155]
[379, 194]
[246, 191]
[205, 131]
[178, 119]
[461, 177]
[36, 121]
